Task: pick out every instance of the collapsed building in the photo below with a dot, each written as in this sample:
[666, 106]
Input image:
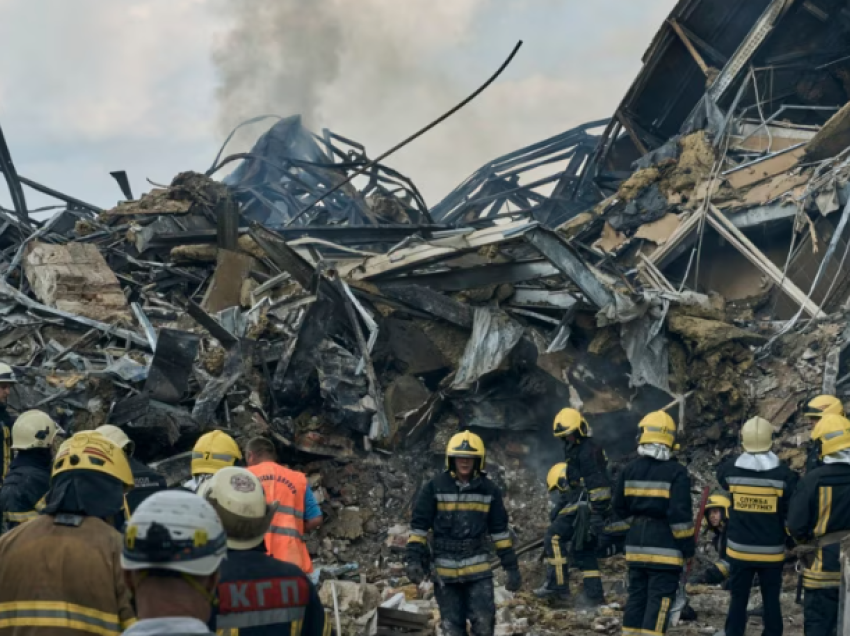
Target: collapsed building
[689, 253]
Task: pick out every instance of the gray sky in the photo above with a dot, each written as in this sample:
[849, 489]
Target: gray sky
[149, 86]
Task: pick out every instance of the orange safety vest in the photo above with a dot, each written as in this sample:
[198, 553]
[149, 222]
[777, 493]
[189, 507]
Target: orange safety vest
[285, 490]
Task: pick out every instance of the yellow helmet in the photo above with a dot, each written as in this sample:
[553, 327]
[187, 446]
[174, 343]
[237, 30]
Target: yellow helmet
[118, 436]
[719, 500]
[824, 405]
[89, 450]
[213, 451]
[834, 434]
[567, 422]
[466, 444]
[757, 435]
[557, 477]
[33, 429]
[657, 428]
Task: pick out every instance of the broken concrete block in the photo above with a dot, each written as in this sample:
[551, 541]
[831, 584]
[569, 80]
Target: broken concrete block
[75, 278]
[403, 395]
[353, 598]
[412, 349]
[348, 524]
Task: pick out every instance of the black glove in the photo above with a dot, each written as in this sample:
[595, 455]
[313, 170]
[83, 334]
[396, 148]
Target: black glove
[606, 551]
[415, 572]
[514, 581]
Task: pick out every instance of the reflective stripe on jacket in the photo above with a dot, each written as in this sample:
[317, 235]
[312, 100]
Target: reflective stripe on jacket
[654, 498]
[821, 506]
[755, 533]
[262, 596]
[461, 517]
[63, 580]
[286, 490]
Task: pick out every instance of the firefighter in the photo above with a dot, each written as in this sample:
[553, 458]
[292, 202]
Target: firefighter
[173, 547]
[7, 381]
[590, 495]
[22, 494]
[296, 510]
[569, 513]
[61, 571]
[212, 452]
[815, 410]
[818, 509]
[462, 506]
[556, 541]
[654, 491]
[258, 594]
[714, 524]
[147, 481]
[761, 487]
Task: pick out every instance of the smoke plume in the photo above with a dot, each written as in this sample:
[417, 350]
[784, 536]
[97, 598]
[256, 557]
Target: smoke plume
[276, 58]
[378, 70]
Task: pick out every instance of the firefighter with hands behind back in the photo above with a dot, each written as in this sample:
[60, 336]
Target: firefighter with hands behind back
[654, 492]
[760, 485]
[461, 506]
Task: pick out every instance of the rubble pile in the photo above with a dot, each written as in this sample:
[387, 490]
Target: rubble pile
[691, 258]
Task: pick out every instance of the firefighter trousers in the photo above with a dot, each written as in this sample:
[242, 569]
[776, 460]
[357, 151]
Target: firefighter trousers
[820, 612]
[556, 549]
[739, 586]
[474, 601]
[651, 595]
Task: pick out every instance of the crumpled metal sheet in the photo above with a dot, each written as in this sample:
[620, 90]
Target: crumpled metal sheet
[646, 345]
[345, 394]
[494, 335]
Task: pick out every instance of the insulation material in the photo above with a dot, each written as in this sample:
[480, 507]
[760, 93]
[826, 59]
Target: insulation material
[659, 231]
[780, 164]
[775, 187]
[610, 240]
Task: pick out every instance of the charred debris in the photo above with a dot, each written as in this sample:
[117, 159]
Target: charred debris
[691, 253]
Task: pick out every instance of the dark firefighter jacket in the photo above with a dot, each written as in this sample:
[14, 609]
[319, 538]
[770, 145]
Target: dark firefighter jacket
[588, 466]
[63, 580]
[261, 596]
[821, 506]
[654, 497]
[6, 422]
[147, 482]
[21, 497]
[756, 528]
[461, 517]
[813, 459]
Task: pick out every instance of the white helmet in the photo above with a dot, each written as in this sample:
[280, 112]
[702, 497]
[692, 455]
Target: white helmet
[7, 375]
[238, 498]
[33, 429]
[174, 530]
[117, 437]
